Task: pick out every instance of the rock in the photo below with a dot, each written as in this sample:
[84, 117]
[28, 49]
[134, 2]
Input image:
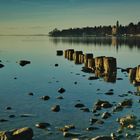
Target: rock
[3, 120]
[66, 128]
[61, 90]
[79, 105]
[8, 108]
[91, 128]
[56, 65]
[93, 120]
[30, 93]
[12, 116]
[55, 108]
[1, 65]
[71, 134]
[85, 109]
[102, 138]
[117, 108]
[5, 135]
[113, 136]
[106, 115]
[119, 79]
[87, 70]
[60, 97]
[109, 93]
[106, 105]
[24, 62]
[42, 125]
[45, 97]
[93, 78]
[127, 120]
[59, 52]
[126, 103]
[23, 134]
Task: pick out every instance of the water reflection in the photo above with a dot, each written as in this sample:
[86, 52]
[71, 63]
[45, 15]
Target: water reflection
[106, 41]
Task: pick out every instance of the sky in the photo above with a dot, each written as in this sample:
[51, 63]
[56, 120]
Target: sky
[42, 16]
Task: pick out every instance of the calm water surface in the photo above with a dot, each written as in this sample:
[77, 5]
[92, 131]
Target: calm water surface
[42, 78]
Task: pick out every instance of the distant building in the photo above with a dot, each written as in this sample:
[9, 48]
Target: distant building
[115, 29]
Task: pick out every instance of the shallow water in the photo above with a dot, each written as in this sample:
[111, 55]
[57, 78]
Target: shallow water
[42, 78]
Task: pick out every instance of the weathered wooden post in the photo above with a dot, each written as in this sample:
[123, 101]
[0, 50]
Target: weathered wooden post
[99, 65]
[76, 56]
[70, 54]
[109, 64]
[138, 74]
[66, 53]
[81, 58]
[86, 57]
[132, 74]
[111, 78]
[91, 63]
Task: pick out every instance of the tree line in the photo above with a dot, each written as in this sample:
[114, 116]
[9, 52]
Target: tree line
[131, 29]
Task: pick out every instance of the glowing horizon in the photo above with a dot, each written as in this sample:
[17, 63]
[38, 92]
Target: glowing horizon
[40, 17]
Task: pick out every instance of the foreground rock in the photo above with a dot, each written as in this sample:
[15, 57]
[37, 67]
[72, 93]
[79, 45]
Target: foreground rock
[42, 125]
[71, 134]
[55, 108]
[18, 134]
[102, 138]
[24, 62]
[128, 121]
[61, 90]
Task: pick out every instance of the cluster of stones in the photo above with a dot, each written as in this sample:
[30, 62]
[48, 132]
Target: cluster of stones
[102, 66]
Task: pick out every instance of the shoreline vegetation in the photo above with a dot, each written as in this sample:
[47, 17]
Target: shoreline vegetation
[130, 30]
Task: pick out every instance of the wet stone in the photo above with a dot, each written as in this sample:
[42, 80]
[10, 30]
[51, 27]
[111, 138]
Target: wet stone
[102, 138]
[56, 65]
[93, 78]
[79, 105]
[91, 128]
[71, 134]
[42, 125]
[1, 65]
[24, 62]
[55, 108]
[106, 115]
[126, 103]
[85, 109]
[12, 116]
[60, 97]
[109, 93]
[3, 120]
[45, 98]
[61, 90]
[8, 108]
[30, 93]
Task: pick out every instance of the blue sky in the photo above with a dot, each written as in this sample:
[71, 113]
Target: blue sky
[41, 16]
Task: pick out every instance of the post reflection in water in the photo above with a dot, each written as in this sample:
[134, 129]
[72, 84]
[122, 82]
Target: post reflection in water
[100, 41]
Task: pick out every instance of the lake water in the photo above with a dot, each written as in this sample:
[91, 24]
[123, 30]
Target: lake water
[42, 78]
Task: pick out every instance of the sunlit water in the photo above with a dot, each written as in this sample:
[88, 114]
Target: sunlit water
[42, 78]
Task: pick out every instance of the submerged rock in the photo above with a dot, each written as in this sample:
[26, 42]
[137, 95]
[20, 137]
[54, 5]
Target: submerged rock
[102, 138]
[106, 115]
[79, 105]
[61, 90]
[24, 62]
[45, 98]
[55, 108]
[71, 134]
[42, 125]
[1, 65]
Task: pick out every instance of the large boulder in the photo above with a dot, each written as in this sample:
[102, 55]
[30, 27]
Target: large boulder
[17, 134]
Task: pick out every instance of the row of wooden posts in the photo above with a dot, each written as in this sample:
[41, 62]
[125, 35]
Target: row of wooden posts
[102, 63]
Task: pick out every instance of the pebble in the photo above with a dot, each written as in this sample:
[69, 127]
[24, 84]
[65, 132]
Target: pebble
[55, 108]
[42, 125]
